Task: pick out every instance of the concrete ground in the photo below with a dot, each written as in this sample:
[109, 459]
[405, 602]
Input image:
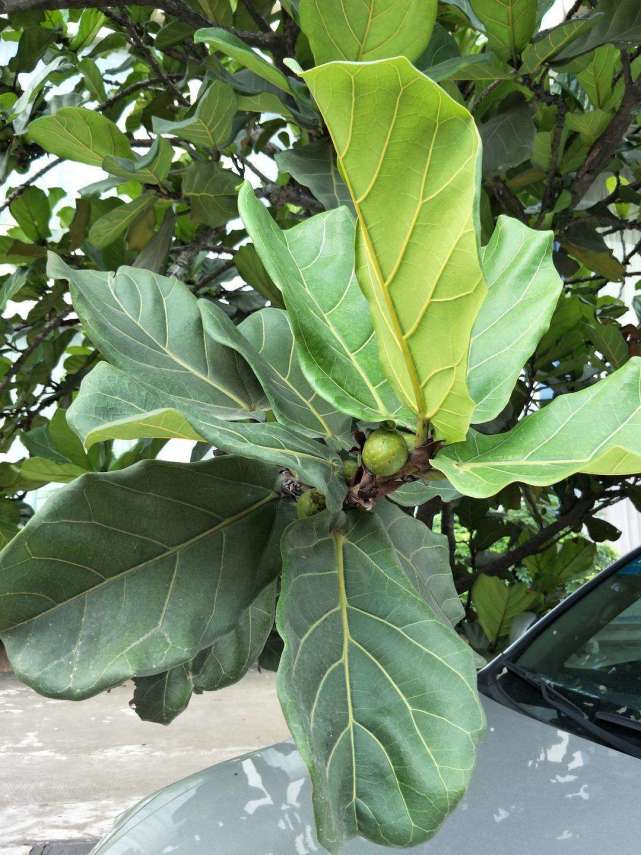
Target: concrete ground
[67, 769]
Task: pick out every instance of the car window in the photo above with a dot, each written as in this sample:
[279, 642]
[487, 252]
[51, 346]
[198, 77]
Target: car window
[595, 646]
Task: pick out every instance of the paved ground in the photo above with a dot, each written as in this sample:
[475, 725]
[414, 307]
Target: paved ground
[67, 769]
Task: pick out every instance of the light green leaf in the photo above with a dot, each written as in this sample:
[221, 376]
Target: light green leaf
[45, 470]
[359, 639]
[314, 166]
[552, 42]
[232, 46]
[418, 222]
[21, 109]
[313, 265]
[293, 400]
[9, 521]
[153, 168]
[483, 66]
[424, 557]
[133, 572]
[509, 24]
[152, 326]
[552, 568]
[91, 20]
[112, 224]
[93, 78]
[524, 289]
[210, 124]
[497, 604]
[418, 492]
[56, 441]
[115, 405]
[365, 30]
[162, 697]
[596, 431]
[252, 270]
[211, 191]
[154, 254]
[31, 210]
[76, 133]
[597, 76]
[11, 285]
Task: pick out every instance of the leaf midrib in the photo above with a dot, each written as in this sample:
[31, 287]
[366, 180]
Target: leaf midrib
[161, 556]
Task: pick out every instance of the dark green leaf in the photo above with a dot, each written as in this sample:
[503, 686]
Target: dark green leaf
[358, 639]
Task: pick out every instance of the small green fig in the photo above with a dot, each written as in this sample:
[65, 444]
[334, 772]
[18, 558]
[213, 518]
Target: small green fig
[309, 503]
[385, 452]
[350, 468]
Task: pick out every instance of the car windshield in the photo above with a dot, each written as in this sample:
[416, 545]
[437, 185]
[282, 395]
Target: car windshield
[591, 656]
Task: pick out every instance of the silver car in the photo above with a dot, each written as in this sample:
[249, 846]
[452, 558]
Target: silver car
[558, 772]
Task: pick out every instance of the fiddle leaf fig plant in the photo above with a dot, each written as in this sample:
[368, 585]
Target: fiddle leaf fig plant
[398, 335]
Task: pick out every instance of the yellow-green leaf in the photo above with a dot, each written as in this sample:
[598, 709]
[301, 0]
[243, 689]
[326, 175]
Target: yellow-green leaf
[76, 133]
[410, 156]
[367, 29]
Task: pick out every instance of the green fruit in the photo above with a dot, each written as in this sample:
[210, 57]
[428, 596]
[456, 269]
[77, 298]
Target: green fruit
[350, 468]
[385, 452]
[309, 503]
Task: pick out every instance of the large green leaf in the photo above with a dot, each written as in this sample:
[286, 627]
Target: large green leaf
[293, 400]
[112, 224]
[153, 327]
[313, 265]
[133, 572]
[76, 133]
[619, 23]
[425, 558]
[418, 255]
[210, 125]
[152, 168]
[112, 404]
[31, 210]
[552, 42]
[232, 46]
[596, 430]
[314, 166]
[364, 30]
[418, 492]
[358, 640]
[508, 139]
[115, 405]
[483, 66]
[497, 604]
[524, 288]
[509, 24]
[211, 191]
[161, 697]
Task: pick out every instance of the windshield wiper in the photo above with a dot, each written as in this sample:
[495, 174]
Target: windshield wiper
[620, 720]
[563, 705]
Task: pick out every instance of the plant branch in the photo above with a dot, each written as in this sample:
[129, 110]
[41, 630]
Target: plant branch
[177, 8]
[18, 191]
[605, 147]
[536, 543]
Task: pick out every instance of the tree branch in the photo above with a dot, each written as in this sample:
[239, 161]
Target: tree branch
[177, 8]
[605, 147]
[536, 543]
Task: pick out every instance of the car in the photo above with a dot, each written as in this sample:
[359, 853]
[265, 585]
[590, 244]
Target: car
[558, 771]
